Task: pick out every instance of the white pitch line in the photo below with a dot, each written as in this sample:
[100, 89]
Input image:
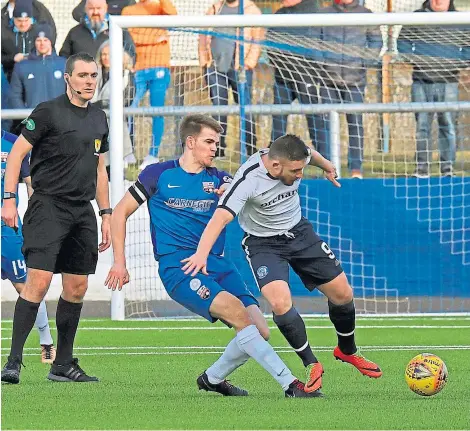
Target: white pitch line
[220, 328]
[190, 348]
[218, 352]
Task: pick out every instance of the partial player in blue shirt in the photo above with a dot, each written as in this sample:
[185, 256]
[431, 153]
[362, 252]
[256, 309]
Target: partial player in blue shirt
[181, 197]
[13, 263]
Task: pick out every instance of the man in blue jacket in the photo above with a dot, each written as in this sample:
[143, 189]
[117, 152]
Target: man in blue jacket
[40, 77]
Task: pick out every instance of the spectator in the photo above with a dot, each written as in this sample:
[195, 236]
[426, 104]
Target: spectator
[346, 72]
[297, 76]
[92, 31]
[434, 81]
[152, 66]
[219, 57]
[41, 77]
[6, 124]
[115, 7]
[18, 41]
[103, 93]
[40, 14]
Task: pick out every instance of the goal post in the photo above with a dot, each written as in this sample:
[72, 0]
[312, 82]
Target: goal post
[374, 287]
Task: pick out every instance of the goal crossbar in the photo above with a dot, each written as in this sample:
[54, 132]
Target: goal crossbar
[118, 23]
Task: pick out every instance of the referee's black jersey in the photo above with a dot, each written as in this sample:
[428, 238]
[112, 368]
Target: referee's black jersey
[67, 141]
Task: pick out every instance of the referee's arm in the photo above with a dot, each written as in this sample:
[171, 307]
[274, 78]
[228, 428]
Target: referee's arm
[102, 198]
[20, 149]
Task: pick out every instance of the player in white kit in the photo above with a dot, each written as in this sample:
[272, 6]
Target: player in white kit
[264, 195]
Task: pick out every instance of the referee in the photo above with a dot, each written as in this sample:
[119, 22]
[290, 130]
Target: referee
[67, 137]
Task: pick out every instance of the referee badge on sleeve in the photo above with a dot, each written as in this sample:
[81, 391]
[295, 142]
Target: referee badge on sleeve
[97, 145]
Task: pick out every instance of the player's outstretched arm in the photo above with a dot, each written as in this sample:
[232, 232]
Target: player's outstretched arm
[198, 261]
[118, 275]
[102, 198]
[12, 172]
[316, 159]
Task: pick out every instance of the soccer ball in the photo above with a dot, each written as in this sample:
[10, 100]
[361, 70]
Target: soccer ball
[426, 374]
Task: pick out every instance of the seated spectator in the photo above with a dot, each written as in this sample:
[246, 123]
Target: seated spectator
[115, 7]
[41, 77]
[152, 65]
[103, 92]
[92, 31]
[40, 14]
[6, 124]
[345, 74]
[219, 57]
[17, 40]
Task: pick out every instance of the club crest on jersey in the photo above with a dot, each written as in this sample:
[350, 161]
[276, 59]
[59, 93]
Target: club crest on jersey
[262, 271]
[208, 186]
[204, 292]
[4, 157]
[97, 145]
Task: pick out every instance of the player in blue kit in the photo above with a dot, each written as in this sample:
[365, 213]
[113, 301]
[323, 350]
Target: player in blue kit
[181, 197]
[13, 263]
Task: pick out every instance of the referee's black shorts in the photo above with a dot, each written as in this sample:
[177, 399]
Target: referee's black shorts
[60, 236]
[301, 248]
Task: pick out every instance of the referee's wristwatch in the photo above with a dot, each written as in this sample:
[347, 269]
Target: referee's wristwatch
[105, 211]
[9, 195]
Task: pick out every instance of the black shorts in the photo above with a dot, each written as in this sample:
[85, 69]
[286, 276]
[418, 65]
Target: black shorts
[301, 248]
[60, 237]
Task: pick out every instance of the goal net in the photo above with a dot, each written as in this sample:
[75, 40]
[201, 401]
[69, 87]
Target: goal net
[388, 101]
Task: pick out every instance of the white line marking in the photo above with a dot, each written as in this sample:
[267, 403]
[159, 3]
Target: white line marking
[223, 328]
[203, 348]
[218, 352]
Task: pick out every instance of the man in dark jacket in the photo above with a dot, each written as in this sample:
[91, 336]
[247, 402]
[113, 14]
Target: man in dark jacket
[296, 76]
[92, 31]
[346, 58]
[40, 14]
[40, 77]
[17, 40]
[115, 7]
[438, 55]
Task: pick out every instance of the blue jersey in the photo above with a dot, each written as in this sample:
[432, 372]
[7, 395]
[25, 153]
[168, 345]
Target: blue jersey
[8, 139]
[180, 205]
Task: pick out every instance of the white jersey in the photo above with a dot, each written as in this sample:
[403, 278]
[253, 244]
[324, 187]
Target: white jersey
[265, 206]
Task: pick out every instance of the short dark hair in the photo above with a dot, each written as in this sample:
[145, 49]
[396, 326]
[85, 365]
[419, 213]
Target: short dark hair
[193, 124]
[81, 56]
[288, 147]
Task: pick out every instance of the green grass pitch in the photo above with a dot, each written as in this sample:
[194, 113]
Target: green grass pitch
[148, 372]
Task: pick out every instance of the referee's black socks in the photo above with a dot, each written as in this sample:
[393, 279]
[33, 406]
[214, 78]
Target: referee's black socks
[343, 318]
[23, 322]
[292, 327]
[67, 318]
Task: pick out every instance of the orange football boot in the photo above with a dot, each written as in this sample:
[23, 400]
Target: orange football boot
[366, 367]
[314, 373]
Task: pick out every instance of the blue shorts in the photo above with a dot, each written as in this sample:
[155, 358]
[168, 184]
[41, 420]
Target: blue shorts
[13, 264]
[197, 293]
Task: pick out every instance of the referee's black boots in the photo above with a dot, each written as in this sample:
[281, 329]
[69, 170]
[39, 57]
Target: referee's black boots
[11, 371]
[70, 372]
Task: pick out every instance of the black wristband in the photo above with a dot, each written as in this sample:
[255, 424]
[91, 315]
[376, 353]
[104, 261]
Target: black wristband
[105, 211]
